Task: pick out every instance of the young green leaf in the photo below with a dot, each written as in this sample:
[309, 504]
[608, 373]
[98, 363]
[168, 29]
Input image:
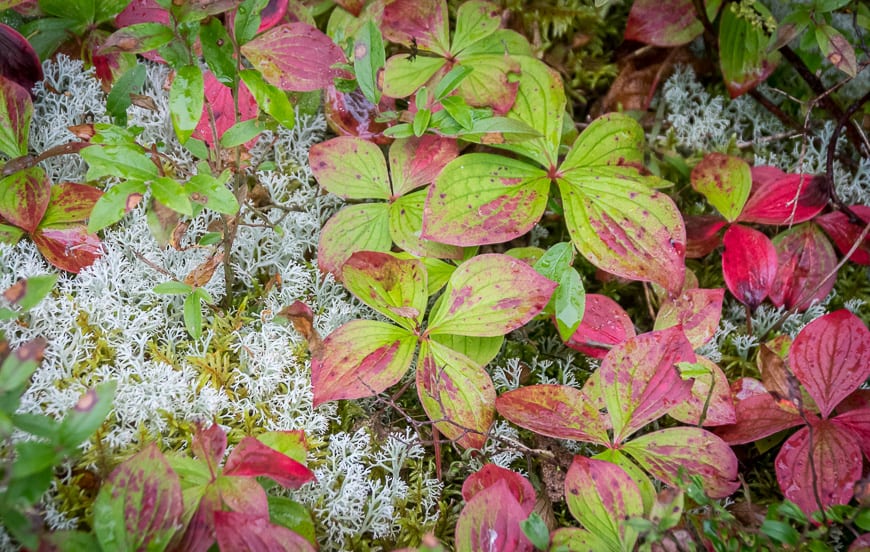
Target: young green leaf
[218, 51]
[247, 20]
[172, 194]
[241, 132]
[193, 316]
[172, 288]
[490, 295]
[368, 60]
[121, 160]
[270, 98]
[212, 192]
[360, 359]
[450, 81]
[115, 203]
[479, 349]
[186, 100]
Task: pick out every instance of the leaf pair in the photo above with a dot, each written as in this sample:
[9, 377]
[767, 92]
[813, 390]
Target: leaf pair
[614, 217]
[485, 298]
[636, 384]
[830, 358]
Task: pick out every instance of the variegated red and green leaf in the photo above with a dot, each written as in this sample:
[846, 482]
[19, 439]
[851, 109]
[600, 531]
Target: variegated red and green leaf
[139, 506]
[490, 295]
[749, 264]
[415, 162]
[697, 311]
[710, 398]
[423, 21]
[676, 453]
[296, 56]
[482, 198]
[406, 228]
[475, 20]
[666, 23]
[16, 109]
[639, 380]
[491, 521]
[604, 324]
[362, 227]
[492, 83]
[479, 349]
[70, 202]
[251, 458]
[351, 168]
[845, 232]
[456, 393]
[404, 75]
[836, 459]
[69, 248]
[725, 180]
[396, 288]
[360, 359]
[242, 494]
[778, 198]
[490, 474]
[24, 198]
[557, 411]
[702, 234]
[806, 271]
[243, 531]
[601, 496]
[831, 358]
[209, 445]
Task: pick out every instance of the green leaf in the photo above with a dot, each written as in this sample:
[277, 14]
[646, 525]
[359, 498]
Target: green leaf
[479, 349]
[451, 81]
[217, 49]
[406, 227]
[271, 99]
[241, 132]
[454, 389]
[172, 194]
[119, 99]
[115, 203]
[368, 60]
[37, 424]
[292, 515]
[10, 234]
[120, 160]
[20, 365]
[172, 288]
[87, 415]
[556, 260]
[16, 110]
[837, 49]
[33, 457]
[569, 301]
[80, 11]
[186, 100]
[490, 295]
[213, 193]
[396, 288]
[351, 168]
[403, 75]
[498, 131]
[421, 121]
[248, 20]
[360, 359]
[481, 198]
[193, 316]
[475, 20]
[725, 181]
[780, 531]
[459, 110]
[108, 9]
[363, 227]
[536, 531]
[138, 38]
[743, 55]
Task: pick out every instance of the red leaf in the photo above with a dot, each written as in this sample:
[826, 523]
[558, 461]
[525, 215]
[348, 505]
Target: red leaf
[70, 202]
[639, 381]
[71, 248]
[271, 15]
[238, 531]
[209, 445]
[604, 323]
[24, 197]
[491, 521]
[758, 415]
[251, 458]
[242, 494]
[143, 11]
[837, 463]
[296, 56]
[663, 23]
[421, 21]
[557, 411]
[490, 474]
[416, 162]
[697, 311]
[219, 104]
[831, 358]
[19, 62]
[856, 422]
[772, 200]
[845, 233]
[702, 234]
[805, 258]
[360, 359]
[601, 496]
[351, 114]
[199, 534]
[749, 264]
